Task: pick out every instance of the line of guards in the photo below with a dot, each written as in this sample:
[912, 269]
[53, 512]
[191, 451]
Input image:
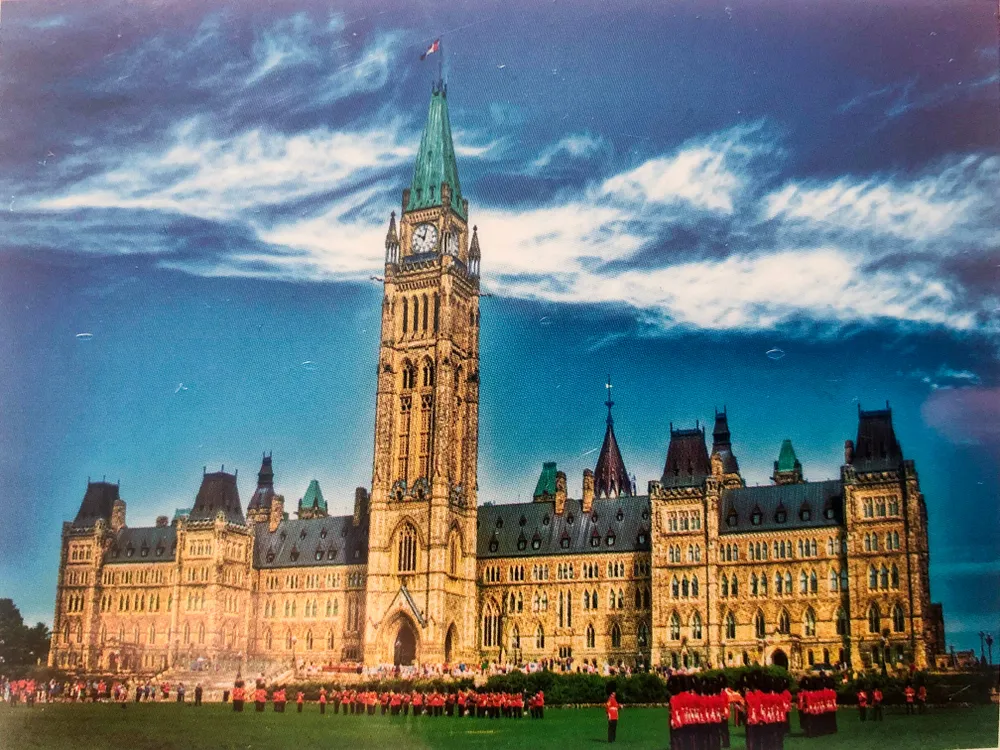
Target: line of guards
[370, 702]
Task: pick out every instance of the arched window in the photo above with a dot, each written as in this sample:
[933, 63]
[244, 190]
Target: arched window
[803, 583]
[638, 598]
[685, 587]
[874, 619]
[898, 619]
[694, 586]
[730, 625]
[884, 577]
[759, 625]
[616, 636]
[675, 627]
[763, 584]
[515, 638]
[810, 622]
[428, 374]
[642, 636]
[754, 589]
[675, 588]
[833, 580]
[872, 578]
[725, 586]
[621, 599]
[784, 622]
[309, 640]
[491, 626]
[813, 583]
[895, 576]
[779, 582]
[268, 642]
[187, 633]
[539, 637]
[201, 633]
[329, 640]
[590, 636]
[586, 600]
[734, 587]
[696, 626]
[409, 376]
[407, 549]
[843, 625]
[406, 314]
[288, 640]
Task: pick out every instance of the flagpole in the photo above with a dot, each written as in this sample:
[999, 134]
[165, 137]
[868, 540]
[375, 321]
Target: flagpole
[441, 65]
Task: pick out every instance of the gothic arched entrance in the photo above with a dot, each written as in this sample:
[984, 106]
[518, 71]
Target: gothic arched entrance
[449, 644]
[779, 658]
[404, 650]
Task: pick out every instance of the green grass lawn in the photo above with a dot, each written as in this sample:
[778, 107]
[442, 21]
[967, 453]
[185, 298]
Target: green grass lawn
[217, 727]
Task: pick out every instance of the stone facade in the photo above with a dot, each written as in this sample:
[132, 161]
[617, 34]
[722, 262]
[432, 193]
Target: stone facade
[700, 570]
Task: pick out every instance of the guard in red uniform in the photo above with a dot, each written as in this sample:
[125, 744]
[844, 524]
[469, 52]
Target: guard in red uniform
[612, 708]
[322, 700]
[863, 704]
[259, 697]
[877, 705]
[299, 699]
[921, 699]
[910, 694]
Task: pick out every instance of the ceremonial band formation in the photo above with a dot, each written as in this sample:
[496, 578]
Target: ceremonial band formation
[701, 569]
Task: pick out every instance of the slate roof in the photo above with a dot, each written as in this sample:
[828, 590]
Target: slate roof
[769, 500]
[687, 463]
[501, 533]
[876, 448]
[97, 503]
[436, 159]
[143, 545]
[296, 543]
[218, 491]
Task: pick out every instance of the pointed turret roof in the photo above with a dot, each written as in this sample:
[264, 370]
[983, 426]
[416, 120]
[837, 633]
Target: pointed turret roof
[611, 478]
[313, 497]
[786, 457]
[97, 503]
[876, 448]
[722, 443]
[436, 159]
[264, 493]
[218, 492]
[546, 487]
[687, 463]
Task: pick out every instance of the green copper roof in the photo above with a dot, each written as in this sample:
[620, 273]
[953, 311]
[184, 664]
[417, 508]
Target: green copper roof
[786, 459]
[313, 497]
[436, 160]
[547, 481]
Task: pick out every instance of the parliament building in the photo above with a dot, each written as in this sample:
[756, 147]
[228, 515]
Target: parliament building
[701, 569]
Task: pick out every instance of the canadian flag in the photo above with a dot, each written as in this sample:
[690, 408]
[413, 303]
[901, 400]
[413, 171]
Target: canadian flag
[432, 49]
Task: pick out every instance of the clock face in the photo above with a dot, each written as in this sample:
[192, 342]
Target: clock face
[453, 244]
[425, 238]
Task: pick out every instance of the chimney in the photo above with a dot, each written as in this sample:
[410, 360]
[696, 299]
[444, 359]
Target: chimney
[560, 492]
[162, 522]
[118, 516]
[848, 451]
[360, 505]
[588, 490]
[277, 512]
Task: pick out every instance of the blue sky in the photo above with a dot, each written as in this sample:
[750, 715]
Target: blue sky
[664, 192]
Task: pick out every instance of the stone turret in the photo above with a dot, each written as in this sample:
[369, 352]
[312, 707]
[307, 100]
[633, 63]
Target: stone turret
[117, 515]
[277, 512]
[361, 502]
[560, 492]
[787, 469]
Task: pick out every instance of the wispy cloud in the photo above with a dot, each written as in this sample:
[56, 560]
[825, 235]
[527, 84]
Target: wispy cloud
[572, 147]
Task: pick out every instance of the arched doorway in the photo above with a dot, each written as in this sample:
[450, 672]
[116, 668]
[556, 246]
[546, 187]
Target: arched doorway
[779, 658]
[405, 646]
[449, 645]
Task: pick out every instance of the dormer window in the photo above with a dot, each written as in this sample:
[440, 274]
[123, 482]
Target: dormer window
[522, 544]
[302, 534]
[144, 552]
[494, 545]
[829, 514]
[322, 533]
[319, 554]
[523, 521]
[570, 518]
[357, 554]
[545, 520]
[595, 540]
[594, 518]
[159, 551]
[755, 518]
[499, 523]
[129, 551]
[641, 539]
[805, 514]
[536, 543]
[610, 540]
[781, 516]
[294, 554]
[331, 554]
[270, 555]
[620, 515]
[564, 542]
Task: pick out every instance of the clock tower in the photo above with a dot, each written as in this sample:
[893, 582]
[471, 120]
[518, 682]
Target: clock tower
[421, 583]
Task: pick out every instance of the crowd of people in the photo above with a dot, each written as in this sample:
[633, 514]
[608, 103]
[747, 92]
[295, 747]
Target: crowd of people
[457, 703]
[29, 691]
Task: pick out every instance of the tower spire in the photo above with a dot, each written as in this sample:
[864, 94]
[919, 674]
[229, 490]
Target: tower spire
[435, 174]
[611, 478]
[609, 403]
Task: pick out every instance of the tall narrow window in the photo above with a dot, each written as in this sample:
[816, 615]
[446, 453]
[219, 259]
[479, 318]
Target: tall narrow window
[590, 636]
[405, 412]
[616, 636]
[407, 557]
[874, 619]
[696, 626]
[759, 625]
[730, 626]
[675, 627]
[784, 622]
[843, 625]
[406, 315]
[416, 314]
[898, 619]
[426, 417]
[810, 622]
[540, 638]
[437, 311]
[425, 312]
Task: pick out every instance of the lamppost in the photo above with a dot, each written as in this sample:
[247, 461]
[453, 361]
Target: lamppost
[982, 652]
[989, 648]
[295, 664]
